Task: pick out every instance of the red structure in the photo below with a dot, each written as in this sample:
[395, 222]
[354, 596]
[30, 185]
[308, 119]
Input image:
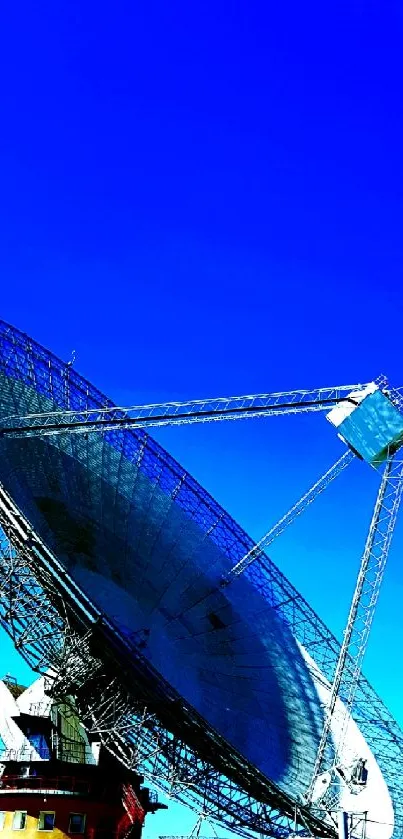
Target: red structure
[55, 781]
[76, 800]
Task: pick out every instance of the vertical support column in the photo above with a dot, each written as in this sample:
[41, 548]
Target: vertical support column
[362, 609]
[342, 825]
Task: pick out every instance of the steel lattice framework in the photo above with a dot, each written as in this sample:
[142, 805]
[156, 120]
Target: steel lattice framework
[61, 633]
[111, 417]
[58, 635]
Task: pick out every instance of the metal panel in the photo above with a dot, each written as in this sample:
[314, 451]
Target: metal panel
[374, 428]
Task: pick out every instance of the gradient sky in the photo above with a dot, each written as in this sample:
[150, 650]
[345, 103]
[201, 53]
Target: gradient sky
[204, 199]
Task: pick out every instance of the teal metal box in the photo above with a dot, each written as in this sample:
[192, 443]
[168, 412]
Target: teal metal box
[374, 428]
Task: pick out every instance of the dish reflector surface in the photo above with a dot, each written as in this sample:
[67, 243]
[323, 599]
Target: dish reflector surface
[149, 547]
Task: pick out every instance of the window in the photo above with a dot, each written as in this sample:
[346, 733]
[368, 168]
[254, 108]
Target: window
[19, 820]
[2, 819]
[46, 820]
[77, 823]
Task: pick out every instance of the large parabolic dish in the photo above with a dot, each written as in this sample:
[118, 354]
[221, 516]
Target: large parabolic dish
[149, 547]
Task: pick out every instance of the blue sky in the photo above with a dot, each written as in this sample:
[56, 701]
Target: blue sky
[204, 201]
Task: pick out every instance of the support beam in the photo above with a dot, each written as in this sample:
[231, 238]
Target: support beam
[362, 609]
[176, 413]
[290, 516]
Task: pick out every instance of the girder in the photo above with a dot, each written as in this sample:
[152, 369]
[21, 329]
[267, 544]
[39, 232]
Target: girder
[176, 413]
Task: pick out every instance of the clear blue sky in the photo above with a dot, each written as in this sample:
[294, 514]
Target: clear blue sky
[206, 199]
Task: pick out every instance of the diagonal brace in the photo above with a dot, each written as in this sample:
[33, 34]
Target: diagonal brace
[290, 516]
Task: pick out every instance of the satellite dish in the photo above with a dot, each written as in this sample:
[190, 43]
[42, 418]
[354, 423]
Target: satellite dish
[222, 671]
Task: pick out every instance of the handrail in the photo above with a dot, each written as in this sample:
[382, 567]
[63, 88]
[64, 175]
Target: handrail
[64, 783]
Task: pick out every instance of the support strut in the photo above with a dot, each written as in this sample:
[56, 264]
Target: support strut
[112, 418]
[362, 609]
[290, 516]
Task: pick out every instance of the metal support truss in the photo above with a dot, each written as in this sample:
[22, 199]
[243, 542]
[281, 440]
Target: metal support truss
[290, 516]
[63, 645]
[60, 633]
[133, 728]
[177, 413]
[362, 609]
[65, 640]
[202, 821]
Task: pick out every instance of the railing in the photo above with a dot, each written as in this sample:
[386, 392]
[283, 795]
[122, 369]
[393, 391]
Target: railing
[25, 754]
[41, 708]
[70, 752]
[62, 785]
